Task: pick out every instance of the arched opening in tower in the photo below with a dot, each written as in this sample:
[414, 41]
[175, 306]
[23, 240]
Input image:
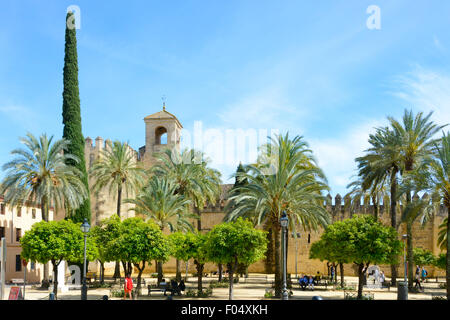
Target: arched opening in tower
[161, 135]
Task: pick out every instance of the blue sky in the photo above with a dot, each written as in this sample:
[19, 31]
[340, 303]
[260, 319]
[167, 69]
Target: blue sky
[310, 68]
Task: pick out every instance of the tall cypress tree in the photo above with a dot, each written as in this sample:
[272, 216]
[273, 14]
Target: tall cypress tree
[72, 116]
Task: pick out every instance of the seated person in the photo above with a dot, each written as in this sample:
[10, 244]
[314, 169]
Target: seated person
[174, 288]
[311, 282]
[318, 277]
[303, 282]
[182, 286]
[163, 284]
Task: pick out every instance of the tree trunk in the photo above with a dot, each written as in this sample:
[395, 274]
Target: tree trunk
[117, 271]
[44, 211]
[360, 279]
[160, 271]
[232, 267]
[278, 271]
[138, 285]
[220, 271]
[409, 246]
[102, 272]
[270, 254]
[199, 221]
[341, 270]
[200, 267]
[447, 271]
[55, 280]
[119, 198]
[375, 207]
[178, 272]
[393, 192]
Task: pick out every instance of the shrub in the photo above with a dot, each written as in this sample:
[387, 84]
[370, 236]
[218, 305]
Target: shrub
[268, 294]
[117, 293]
[199, 294]
[217, 284]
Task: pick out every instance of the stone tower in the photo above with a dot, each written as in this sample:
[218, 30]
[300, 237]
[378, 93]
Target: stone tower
[162, 130]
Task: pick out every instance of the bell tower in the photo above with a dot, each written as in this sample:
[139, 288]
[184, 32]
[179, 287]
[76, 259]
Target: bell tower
[162, 130]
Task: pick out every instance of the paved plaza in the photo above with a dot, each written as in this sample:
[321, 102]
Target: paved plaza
[252, 288]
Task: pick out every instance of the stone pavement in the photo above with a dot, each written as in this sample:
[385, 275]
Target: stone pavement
[252, 288]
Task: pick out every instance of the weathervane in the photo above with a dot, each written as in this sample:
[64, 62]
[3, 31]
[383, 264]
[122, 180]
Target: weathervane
[163, 98]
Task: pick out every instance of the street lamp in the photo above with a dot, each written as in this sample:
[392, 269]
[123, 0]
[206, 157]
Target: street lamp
[284, 220]
[85, 227]
[405, 237]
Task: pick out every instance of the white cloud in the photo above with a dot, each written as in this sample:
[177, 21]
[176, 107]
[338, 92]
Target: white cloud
[336, 156]
[426, 90]
[265, 109]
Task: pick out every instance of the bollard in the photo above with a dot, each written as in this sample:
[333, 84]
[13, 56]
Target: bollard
[105, 297]
[402, 290]
[51, 296]
[317, 298]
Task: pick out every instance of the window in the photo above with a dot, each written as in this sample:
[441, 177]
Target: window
[33, 213]
[18, 234]
[2, 232]
[19, 211]
[18, 263]
[2, 208]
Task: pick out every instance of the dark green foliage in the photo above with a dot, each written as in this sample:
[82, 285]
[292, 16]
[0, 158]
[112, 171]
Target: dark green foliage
[72, 118]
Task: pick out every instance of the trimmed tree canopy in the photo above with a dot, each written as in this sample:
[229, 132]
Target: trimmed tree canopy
[56, 241]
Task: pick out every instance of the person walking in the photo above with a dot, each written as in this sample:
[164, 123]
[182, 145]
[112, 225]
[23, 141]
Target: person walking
[332, 273]
[128, 287]
[417, 280]
[382, 278]
[424, 274]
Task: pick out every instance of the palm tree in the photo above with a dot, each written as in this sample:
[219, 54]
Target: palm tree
[440, 183]
[195, 179]
[277, 183]
[40, 174]
[415, 146]
[117, 170]
[159, 202]
[376, 193]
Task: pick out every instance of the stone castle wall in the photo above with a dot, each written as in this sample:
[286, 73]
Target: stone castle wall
[104, 205]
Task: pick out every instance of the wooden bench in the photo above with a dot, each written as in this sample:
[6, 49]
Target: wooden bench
[161, 288]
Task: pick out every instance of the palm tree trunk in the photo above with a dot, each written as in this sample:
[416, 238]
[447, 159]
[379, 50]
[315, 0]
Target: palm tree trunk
[447, 271]
[119, 199]
[44, 211]
[278, 270]
[409, 255]
[394, 218]
[375, 207]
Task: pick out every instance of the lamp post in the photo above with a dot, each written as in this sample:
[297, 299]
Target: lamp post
[284, 220]
[85, 227]
[405, 237]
